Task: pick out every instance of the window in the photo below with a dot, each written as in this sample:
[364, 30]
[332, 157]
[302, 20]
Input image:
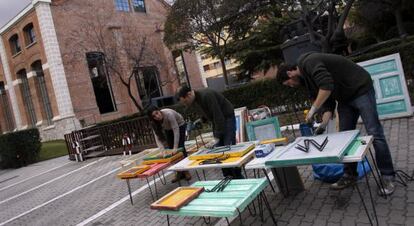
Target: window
[148, 83]
[29, 34]
[138, 5]
[122, 5]
[27, 97]
[217, 65]
[181, 68]
[101, 82]
[5, 106]
[206, 67]
[14, 44]
[44, 96]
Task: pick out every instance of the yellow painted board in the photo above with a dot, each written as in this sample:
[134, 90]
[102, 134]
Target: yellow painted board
[133, 172]
[177, 198]
[228, 160]
[239, 153]
[275, 141]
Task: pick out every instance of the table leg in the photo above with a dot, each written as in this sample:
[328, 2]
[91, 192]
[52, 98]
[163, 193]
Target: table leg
[227, 220]
[149, 186]
[380, 184]
[129, 191]
[207, 221]
[168, 220]
[263, 194]
[240, 216]
[363, 202]
[245, 173]
[370, 193]
[204, 175]
[155, 186]
[198, 176]
[268, 179]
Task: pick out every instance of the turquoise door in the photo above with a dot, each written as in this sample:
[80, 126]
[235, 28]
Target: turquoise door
[390, 87]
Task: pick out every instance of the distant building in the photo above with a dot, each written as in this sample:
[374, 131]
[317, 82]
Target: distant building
[40, 86]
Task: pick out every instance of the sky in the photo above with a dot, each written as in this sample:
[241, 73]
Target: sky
[10, 8]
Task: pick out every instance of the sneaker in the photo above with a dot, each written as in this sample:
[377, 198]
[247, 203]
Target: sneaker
[177, 177]
[344, 182]
[187, 176]
[389, 187]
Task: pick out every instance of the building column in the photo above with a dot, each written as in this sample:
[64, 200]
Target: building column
[54, 58]
[7, 75]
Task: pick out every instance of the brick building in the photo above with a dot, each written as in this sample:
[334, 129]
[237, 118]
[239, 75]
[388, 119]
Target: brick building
[53, 81]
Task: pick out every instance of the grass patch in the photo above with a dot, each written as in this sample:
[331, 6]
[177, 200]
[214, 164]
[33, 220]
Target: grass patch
[52, 149]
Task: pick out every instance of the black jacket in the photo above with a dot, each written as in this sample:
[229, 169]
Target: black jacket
[215, 107]
[346, 79]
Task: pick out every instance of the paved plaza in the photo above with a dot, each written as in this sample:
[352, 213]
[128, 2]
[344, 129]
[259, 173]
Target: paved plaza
[62, 192]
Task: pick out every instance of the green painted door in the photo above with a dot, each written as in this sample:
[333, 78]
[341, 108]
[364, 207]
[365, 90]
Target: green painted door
[390, 87]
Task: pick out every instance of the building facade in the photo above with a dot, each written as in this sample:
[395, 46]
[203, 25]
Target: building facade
[57, 83]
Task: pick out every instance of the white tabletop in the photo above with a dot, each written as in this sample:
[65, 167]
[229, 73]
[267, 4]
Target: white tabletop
[259, 163]
[184, 164]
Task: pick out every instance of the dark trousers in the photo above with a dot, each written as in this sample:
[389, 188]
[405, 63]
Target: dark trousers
[169, 135]
[366, 107]
[229, 138]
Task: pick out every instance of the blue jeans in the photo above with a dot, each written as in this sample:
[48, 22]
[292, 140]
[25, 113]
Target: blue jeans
[229, 138]
[366, 107]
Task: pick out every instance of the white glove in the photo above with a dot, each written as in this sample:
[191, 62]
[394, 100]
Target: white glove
[309, 116]
[213, 143]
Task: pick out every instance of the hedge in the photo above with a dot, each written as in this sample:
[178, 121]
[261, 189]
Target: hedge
[19, 148]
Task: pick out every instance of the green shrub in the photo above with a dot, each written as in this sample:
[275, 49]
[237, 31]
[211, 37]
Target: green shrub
[19, 148]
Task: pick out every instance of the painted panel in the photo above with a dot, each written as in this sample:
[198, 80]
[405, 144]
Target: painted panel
[392, 107]
[382, 67]
[390, 86]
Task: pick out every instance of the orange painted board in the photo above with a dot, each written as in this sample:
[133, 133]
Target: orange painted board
[179, 197]
[133, 172]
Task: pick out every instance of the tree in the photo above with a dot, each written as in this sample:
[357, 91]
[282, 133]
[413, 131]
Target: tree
[206, 25]
[125, 48]
[377, 17]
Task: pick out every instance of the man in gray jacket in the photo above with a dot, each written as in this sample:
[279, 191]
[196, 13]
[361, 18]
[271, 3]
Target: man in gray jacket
[214, 107]
[328, 75]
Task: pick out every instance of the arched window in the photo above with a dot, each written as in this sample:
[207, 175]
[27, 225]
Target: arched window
[42, 88]
[29, 34]
[5, 105]
[101, 82]
[14, 44]
[27, 97]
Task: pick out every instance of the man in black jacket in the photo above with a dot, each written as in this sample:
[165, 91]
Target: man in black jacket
[215, 107]
[329, 78]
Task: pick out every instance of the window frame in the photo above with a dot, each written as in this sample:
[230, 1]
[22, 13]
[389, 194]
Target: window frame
[122, 5]
[29, 34]
[135, 4]
[14, 44]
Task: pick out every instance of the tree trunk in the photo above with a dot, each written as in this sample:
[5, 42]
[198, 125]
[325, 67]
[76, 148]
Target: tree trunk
[223, 66]
[400, 23]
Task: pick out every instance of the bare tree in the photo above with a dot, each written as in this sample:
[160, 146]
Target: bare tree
[126, 48]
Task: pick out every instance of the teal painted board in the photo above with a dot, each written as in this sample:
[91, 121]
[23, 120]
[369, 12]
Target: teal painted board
[237, 195]
[391, 107]
[264, 129]
[382, 67]
[390, 87]
[333, 151]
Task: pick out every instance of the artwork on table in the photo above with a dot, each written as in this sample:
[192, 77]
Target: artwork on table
[133, 172]
[333, 151]
[237, 150]
[264, 129]
[241, 119]
[158, 157]
[179, 197]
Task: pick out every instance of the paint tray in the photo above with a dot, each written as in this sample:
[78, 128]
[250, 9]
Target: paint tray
[133, 172]
[155, 158]
[177, 198]
[237, 150]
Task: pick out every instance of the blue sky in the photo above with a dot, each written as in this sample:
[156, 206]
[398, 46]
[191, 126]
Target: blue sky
[10, 8]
